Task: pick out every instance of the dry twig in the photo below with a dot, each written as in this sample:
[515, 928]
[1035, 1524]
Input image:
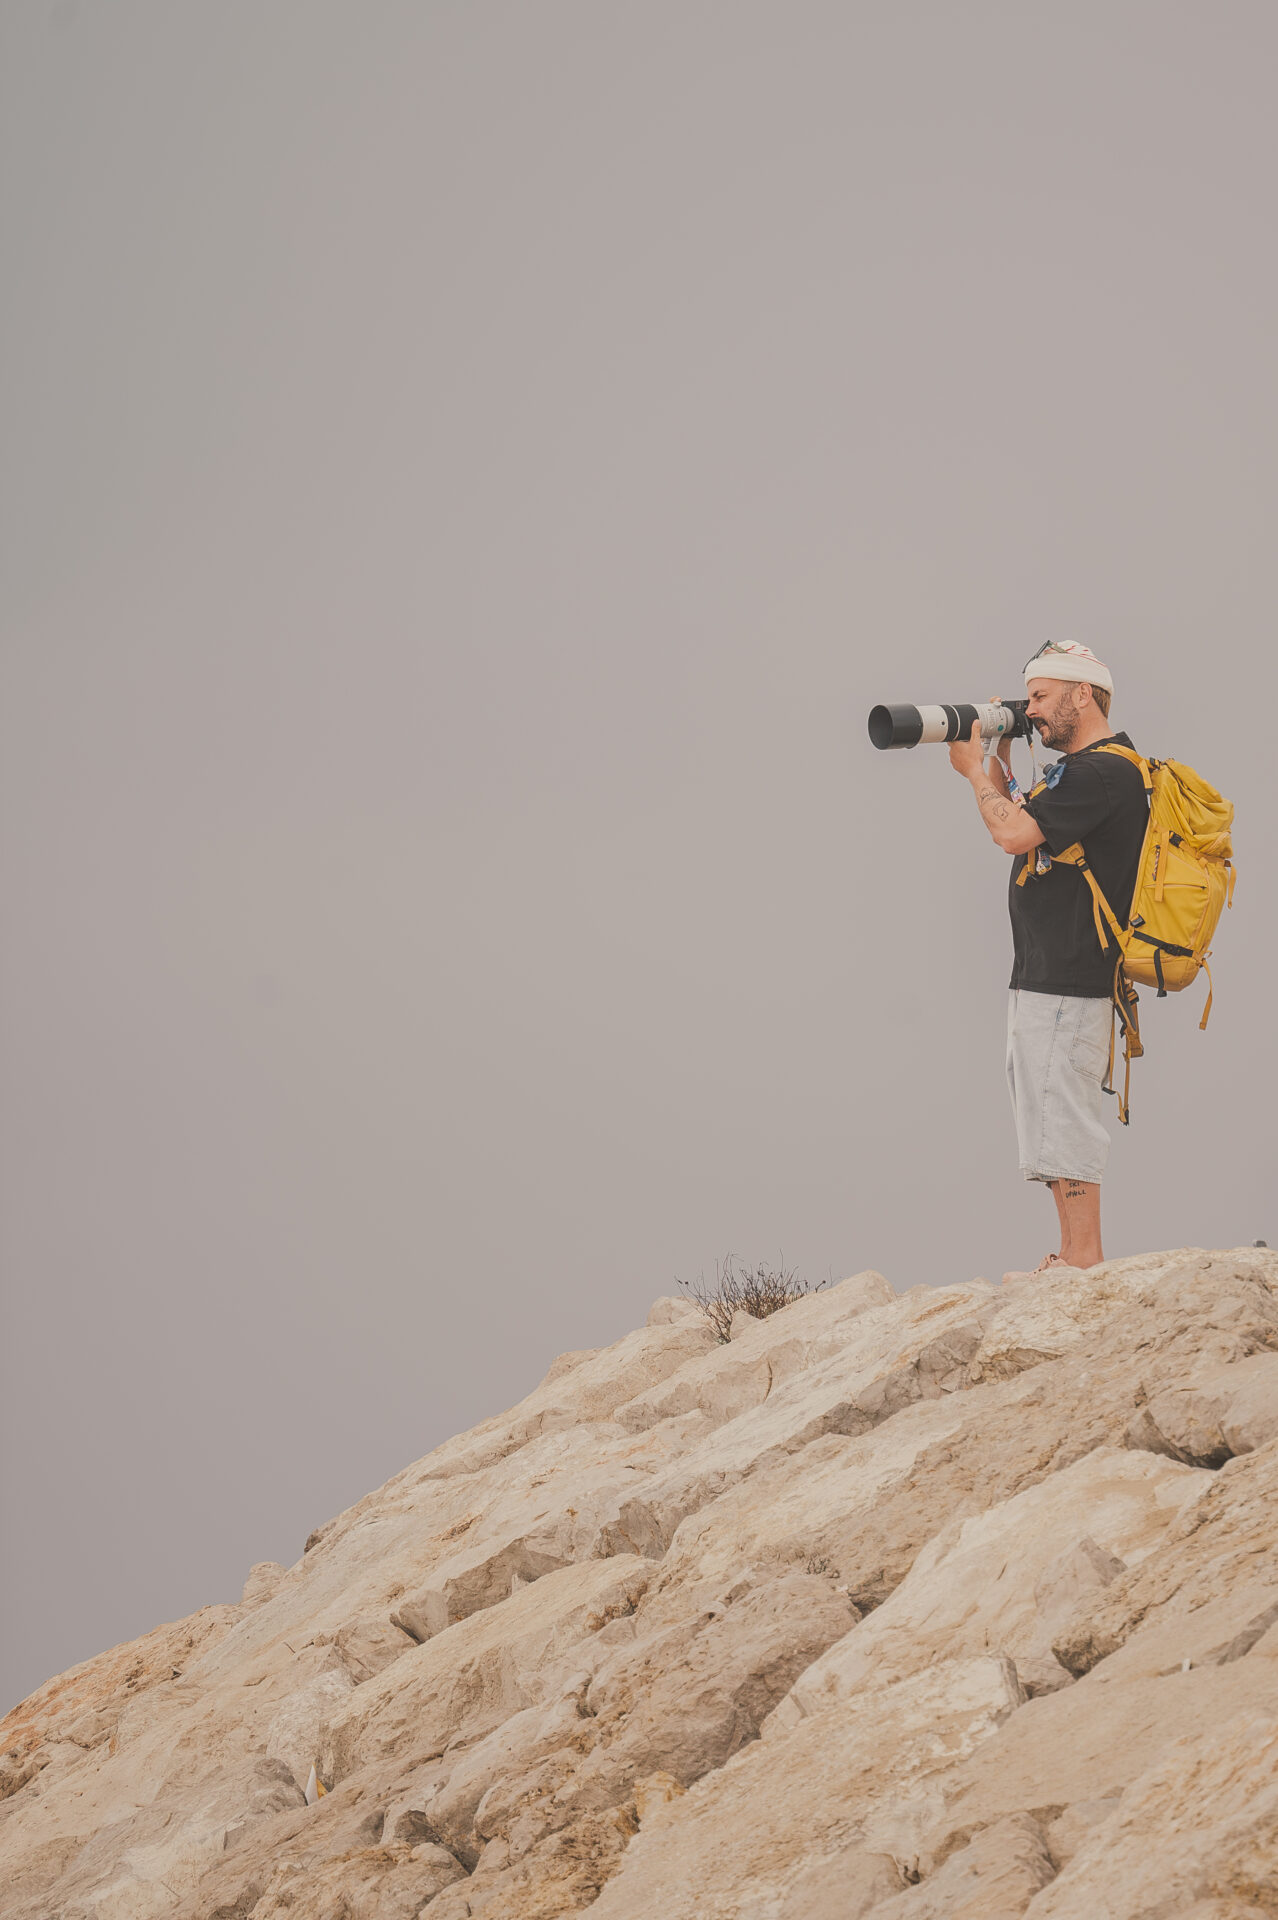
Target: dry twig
[761, 1292]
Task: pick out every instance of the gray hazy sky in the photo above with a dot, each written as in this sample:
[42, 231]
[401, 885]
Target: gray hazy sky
[468, 469]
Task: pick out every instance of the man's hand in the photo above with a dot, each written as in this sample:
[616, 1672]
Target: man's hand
[966, 756]
[1004, 748]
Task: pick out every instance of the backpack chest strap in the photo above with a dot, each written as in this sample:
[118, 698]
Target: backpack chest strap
[1075, 857]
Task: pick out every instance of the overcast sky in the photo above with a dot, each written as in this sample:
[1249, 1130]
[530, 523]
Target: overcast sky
[468, 470]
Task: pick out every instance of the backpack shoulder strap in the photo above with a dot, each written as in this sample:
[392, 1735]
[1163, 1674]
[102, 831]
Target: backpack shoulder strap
[1075, 857]
[1130, 753]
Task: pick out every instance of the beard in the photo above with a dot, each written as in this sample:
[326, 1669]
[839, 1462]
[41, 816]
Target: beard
[1059, 728]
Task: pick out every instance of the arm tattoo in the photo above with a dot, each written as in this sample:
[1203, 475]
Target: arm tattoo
[1075, 1189]
[1000, 809]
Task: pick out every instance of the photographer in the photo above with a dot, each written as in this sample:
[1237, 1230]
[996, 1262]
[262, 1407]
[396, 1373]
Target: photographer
[1060, 1002]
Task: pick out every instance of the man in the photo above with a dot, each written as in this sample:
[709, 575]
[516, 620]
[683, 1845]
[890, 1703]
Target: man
[1059, 1008]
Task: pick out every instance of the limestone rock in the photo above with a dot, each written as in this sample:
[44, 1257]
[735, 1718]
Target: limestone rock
[671, 1307]
[299, 1729]
[1212, 1800]
[958, 1602]
[994, 1877]
[976, 1585]
[851, 1366]
[565, 1362]
[1232, 1410]
[263, 1580]
[862, 1771]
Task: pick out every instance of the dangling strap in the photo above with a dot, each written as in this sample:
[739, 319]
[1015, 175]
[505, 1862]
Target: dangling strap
[1233, 875]
[1125, 1103]
[1107, 1084]
[1125, 1004]
[1202, 1024]
[1125, 1106]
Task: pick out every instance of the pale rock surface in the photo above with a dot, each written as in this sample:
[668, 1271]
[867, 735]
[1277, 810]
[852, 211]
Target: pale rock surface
[852, 1365]
[671, 1307]
[977, 1584]
[994, 1877]
[864, 1772]
[962, 1602]
[263, 1580]
[1212, 1800]
[1231, 1411]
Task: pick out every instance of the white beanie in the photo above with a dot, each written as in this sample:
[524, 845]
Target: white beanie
[1067, 660]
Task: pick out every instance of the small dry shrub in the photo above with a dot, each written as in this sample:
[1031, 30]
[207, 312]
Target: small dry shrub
[761, 1292]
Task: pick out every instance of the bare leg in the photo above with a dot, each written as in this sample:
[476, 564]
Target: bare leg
[1063, 1217]
[1078, 1205]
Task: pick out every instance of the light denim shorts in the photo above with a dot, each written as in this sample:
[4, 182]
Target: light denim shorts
[1057, 1054]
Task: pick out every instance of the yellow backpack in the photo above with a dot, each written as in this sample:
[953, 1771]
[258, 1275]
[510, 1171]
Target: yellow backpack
[1184, 880]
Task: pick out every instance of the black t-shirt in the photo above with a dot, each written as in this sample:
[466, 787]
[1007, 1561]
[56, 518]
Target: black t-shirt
[1098, 798]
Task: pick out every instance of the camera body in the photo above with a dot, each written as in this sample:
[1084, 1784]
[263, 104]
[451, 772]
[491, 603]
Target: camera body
[902, 726]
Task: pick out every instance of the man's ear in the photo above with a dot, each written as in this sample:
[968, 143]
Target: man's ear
[1084, 695]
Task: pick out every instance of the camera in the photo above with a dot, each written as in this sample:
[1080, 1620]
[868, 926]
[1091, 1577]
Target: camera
[913, 726]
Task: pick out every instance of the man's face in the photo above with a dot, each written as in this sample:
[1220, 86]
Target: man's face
[1054, 709]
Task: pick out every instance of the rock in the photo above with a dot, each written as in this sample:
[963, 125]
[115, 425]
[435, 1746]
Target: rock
[407, 1822]
[297, 1733]
[1089, 1743]
[91, 1729]
[975, 1585]
[566, 1362]
[1212, 1799]
[682, 1701]
[957, 1602]
[492, 1773]
[848, 1884]
[1074, 1576]
[435, 1865]
[1211, 1575]
[263, 1580]
[1068, 1830]
[1042, 1322]
[658, 1790]
[1064, 1587]
[669, 1309]
[580, 1484]
[594, 1389]
[818, 1515]
[742, 1374]
[1233, 1410]
[375, 1884]
[849, 1780]
[485, 1668]
[1249, 1404]
[776, 1390]
[367, 1644]
[994, 1877]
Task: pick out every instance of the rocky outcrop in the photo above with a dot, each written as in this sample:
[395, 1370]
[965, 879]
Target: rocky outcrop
[962, 1602]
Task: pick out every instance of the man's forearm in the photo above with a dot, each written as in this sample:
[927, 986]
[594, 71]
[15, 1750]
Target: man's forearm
[1010, 823]
[993, 796]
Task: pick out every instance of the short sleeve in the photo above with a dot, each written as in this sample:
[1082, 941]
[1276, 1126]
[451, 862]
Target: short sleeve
[1074, 807]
